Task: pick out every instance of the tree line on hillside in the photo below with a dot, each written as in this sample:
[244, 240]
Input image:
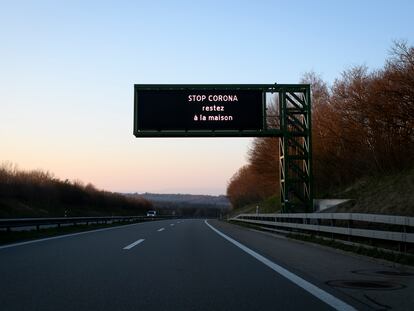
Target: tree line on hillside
[362, 125]
[39, 193]
[212, 200]
[190, 209]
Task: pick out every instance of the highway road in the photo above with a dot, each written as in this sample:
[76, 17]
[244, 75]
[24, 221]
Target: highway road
[190, 265]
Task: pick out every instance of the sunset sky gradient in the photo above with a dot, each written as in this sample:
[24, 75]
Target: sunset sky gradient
[67, 70]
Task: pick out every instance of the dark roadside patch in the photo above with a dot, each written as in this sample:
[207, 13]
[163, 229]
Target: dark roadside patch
[396, 257]
[7, 237]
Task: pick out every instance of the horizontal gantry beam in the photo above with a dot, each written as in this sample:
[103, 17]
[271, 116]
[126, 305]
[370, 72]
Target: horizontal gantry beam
[177, 134]
[260, 87]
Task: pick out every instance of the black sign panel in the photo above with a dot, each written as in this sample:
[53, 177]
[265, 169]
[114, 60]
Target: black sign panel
[198, 109]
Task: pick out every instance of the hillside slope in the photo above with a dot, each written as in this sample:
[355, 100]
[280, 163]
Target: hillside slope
[40, 194]
[199, 199]
[391, 194]
[387, 194]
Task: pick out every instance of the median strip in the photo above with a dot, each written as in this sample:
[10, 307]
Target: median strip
[134, 244]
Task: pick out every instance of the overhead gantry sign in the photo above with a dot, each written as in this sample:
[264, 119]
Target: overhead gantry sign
[237, 111]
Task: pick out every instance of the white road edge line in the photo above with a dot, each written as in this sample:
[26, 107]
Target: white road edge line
[133, 244]
[319, 293]
[66, 235]
[162, 229]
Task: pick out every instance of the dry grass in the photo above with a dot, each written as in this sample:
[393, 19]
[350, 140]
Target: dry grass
[387, 194]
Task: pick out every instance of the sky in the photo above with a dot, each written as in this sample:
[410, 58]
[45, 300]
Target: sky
[67, 70]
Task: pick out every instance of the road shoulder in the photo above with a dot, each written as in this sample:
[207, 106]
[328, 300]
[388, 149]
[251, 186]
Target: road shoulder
[324, 266]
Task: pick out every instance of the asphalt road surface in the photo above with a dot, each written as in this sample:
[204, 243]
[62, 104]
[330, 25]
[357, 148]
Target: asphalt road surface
[185, 265]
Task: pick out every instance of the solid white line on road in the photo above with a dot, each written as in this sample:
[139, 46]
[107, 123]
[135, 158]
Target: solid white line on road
[162, 229]
[66, 236]
[319, 293]
[134, 244]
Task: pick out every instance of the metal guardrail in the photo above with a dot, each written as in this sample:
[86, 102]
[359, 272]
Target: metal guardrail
[371, 226]
[8, 224]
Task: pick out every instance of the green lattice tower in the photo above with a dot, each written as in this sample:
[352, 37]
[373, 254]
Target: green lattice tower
[295, 150]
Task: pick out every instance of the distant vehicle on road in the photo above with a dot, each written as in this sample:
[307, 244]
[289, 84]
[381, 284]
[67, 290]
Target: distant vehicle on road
[151, 213]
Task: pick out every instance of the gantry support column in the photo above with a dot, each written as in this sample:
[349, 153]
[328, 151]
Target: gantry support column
[295, 150]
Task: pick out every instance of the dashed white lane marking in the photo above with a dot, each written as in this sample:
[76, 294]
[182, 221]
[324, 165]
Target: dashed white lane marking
[134, 244]
[66, 236]
[162, 229]
[319, 293]
[171, 224]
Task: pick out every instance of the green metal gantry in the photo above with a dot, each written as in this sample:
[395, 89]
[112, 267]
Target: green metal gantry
[295, 143]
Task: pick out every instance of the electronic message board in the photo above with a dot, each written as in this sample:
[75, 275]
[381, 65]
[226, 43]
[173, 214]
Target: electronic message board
[197, 109]
[237, 110]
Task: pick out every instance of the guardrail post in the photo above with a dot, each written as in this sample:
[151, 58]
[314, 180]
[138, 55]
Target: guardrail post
[404, 242]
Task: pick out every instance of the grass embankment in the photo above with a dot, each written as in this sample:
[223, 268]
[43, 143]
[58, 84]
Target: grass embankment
[391, 194]
[383, 194]
[40, 194]
[267, 206]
